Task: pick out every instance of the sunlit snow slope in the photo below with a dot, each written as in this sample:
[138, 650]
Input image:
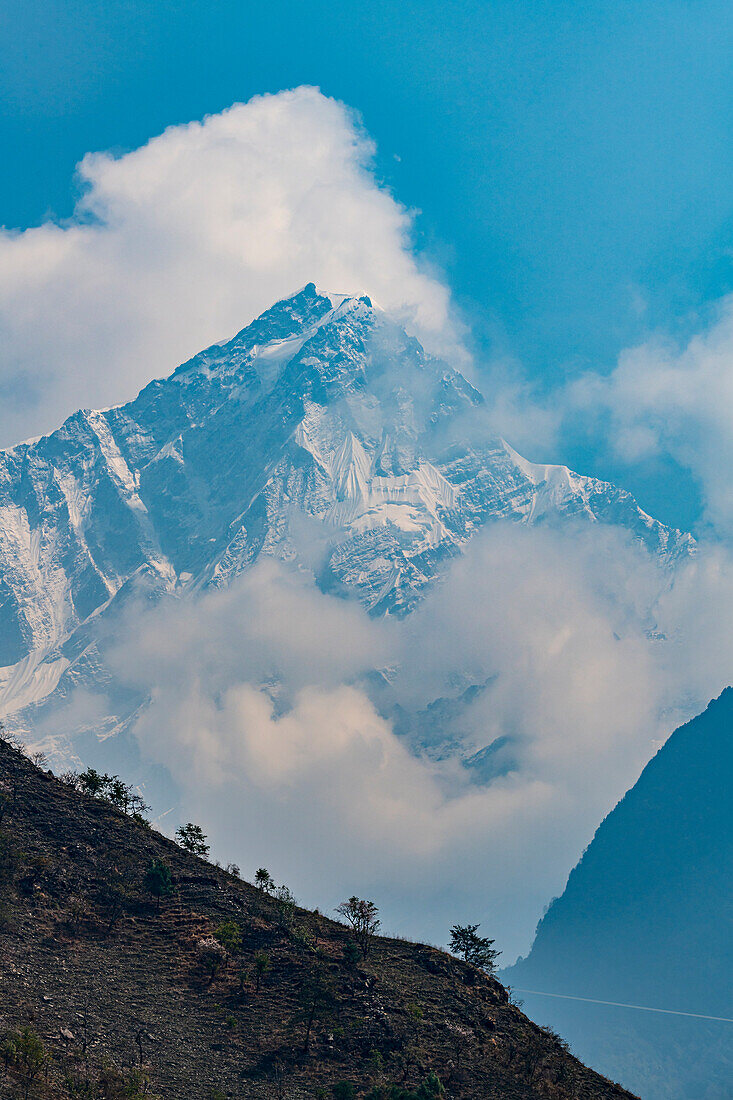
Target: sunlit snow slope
[321, 433]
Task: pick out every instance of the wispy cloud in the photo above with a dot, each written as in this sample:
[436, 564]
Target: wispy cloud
[663, 398]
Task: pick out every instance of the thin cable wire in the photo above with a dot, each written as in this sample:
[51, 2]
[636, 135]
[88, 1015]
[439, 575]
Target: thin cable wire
[620, 1004]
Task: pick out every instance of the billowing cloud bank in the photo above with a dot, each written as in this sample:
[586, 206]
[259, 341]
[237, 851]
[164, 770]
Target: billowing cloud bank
[585, 660]
[182, 242]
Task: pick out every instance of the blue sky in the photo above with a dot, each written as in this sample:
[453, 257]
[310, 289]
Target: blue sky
[571, 161]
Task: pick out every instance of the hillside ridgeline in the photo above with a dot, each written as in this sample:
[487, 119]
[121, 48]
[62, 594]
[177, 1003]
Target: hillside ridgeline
[220, 989]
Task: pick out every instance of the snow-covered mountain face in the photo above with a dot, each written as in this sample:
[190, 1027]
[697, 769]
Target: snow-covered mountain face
[320, 434]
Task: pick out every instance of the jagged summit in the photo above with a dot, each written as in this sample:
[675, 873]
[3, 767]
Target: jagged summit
[285, 327]
[322, 407]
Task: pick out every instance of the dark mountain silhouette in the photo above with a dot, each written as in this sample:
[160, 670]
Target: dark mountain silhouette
[113, 986]
[646, 919]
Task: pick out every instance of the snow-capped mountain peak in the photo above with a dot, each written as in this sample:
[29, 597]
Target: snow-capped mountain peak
[323, 407]
[275, 337]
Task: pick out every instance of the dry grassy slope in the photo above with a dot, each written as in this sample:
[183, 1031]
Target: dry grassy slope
[204, 1040]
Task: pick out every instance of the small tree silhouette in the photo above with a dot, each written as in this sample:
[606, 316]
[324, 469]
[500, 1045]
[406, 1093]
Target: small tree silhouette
[110, 788]
[263, 880]
[362, 916]
[93, 782]
[192, 838]
[474, 949]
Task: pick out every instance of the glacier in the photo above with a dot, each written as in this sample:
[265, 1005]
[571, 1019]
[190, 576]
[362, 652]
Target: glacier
[322, 434]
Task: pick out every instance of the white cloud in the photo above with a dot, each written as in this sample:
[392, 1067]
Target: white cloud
[182, 242]
[675, 400]
[275, 741]
[662, 398]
